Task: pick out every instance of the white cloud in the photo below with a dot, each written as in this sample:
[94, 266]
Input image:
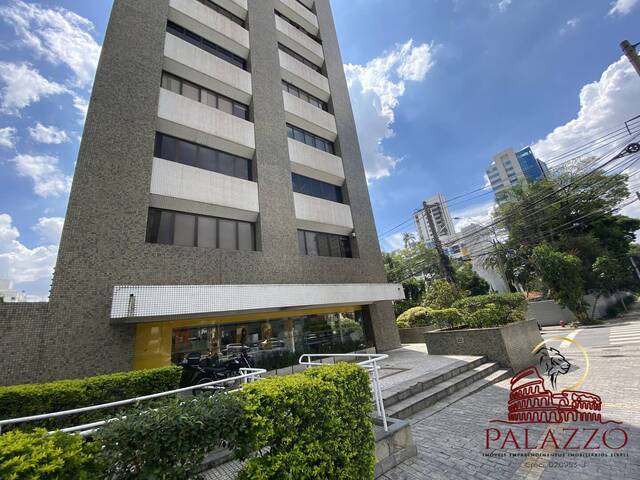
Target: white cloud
[395, 241]
[375, 89]
[20, 263]
[49, 228]
[478, 214]
[23, 85]
[49, 181]
[6, 137]
[49, 135]
[56, 34]
[503, 5]
[604, 106]
[571, 24]
[622, 7]
[82, 105]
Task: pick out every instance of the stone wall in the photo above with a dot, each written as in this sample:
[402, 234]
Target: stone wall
[549, 313]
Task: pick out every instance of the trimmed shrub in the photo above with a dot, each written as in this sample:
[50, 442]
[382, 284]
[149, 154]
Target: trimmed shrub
[39, 456]
[34, 399]
[311, 425]
[441, 294]
[171, 441]
[447, 317]
[414, 317]
[514, 302]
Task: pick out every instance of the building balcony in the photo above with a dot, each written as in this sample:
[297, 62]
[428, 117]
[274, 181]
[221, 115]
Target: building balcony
[225, 196]
[193, 63]
[196, 122]
[209, 24]
[322, 215]
[299, 14]
[307, 79]
[314, 163]
[299, 42]
[309, 118]
[238, 7]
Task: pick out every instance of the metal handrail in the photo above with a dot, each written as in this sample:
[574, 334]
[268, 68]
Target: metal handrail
[246, 375]
[371, 364]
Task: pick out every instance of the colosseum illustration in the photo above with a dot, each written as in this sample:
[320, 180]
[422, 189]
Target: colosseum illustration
[531, 402]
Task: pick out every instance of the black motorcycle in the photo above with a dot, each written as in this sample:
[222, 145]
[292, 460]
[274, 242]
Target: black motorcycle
[200, 371]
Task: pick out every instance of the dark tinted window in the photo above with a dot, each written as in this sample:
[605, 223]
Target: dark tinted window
[310, 139]
[187, 153]
[300, 58]
[323, 244]
[186, 229]
[210, 47]
[301, 94]
[298, 27]
[222, 11]
[316, 188]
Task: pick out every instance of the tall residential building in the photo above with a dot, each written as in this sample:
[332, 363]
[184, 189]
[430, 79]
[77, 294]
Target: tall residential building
[478, 242]
[219, 197]
[509, 167]
[443, 223]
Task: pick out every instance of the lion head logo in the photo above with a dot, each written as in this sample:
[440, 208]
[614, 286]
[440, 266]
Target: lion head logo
[553, 363]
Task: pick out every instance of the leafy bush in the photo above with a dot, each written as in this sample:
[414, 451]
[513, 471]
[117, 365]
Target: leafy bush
[169, 442]
[447, 317]
[25, 400]
[311, 425]
[441, 294]
[515, 302]
[39, 456]
[414, 317]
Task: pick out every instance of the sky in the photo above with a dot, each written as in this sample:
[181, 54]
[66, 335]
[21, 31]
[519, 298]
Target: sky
[438, 87]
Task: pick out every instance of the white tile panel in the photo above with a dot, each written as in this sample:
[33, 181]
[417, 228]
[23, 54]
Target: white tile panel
[299, 42]
[172, 179]
[322, 215]
[209, 24]
[315, 163]
[304, 77]
[310, 118]
[200, 123]
[299, 14]
[145, 302]
[205, 69]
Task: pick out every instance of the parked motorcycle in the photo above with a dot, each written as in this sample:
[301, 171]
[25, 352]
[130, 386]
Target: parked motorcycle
[200, 371]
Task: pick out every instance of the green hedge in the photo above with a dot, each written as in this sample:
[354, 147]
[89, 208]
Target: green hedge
[492, 310]
[39, 456]
[34, 399]
[311, 425]
[424, 316]
[171, 441]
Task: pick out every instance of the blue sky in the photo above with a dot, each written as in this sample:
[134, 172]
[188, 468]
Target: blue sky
[438, 87]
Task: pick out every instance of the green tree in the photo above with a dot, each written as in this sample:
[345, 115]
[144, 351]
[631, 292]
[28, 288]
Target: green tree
[562, 275]
[609, 277]
[441, 294]
[469, 281]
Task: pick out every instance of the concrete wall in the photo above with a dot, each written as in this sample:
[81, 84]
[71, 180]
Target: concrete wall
[309, 117]
[309, 80]
[322, 215]
[299, 14]
[510, 345]
[548, 312]
[103, 241]
[293, 38]
[310, 161]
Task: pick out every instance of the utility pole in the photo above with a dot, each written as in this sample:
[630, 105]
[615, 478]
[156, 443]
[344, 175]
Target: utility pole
[631, 53]
[445, 266]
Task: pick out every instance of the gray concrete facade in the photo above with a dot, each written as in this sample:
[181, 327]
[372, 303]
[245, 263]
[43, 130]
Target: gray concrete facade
[103, 241]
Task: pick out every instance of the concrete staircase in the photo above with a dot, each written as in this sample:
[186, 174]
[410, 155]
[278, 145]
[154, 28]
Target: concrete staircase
[450, 384]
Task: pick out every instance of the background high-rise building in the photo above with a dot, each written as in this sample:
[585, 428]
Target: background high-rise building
[219, 199]
[508, 168]
[443, 222]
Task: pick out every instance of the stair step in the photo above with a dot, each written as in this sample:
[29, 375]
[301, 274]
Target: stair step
[404, 390]
[495, 377]
[428, 397]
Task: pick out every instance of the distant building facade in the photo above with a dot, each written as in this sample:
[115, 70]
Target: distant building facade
[478, 242]
[8, 294]
[509, 168]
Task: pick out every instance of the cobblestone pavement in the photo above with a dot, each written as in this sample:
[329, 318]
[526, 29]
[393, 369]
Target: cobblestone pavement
[451, 438]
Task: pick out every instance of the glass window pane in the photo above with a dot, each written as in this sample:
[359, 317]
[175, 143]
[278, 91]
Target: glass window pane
[312, 248]
[174, 29]
[167, 148]
[228, 235]
[226, 164]
[209, 98]
[192, 38]
[298, 135]
[290, 132]
[334, 245]
[153, 223]
[241, 169]
[323, 245]
[330, 148]
[309, 139]
[170, 83]
[187, 152]
[207, 159]
[191, 91]
[207, 232]
[165, 229]
[301, 245]
[225, 105]
[345, 243]
[184, 233]
[245, 236]
[241, 111]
